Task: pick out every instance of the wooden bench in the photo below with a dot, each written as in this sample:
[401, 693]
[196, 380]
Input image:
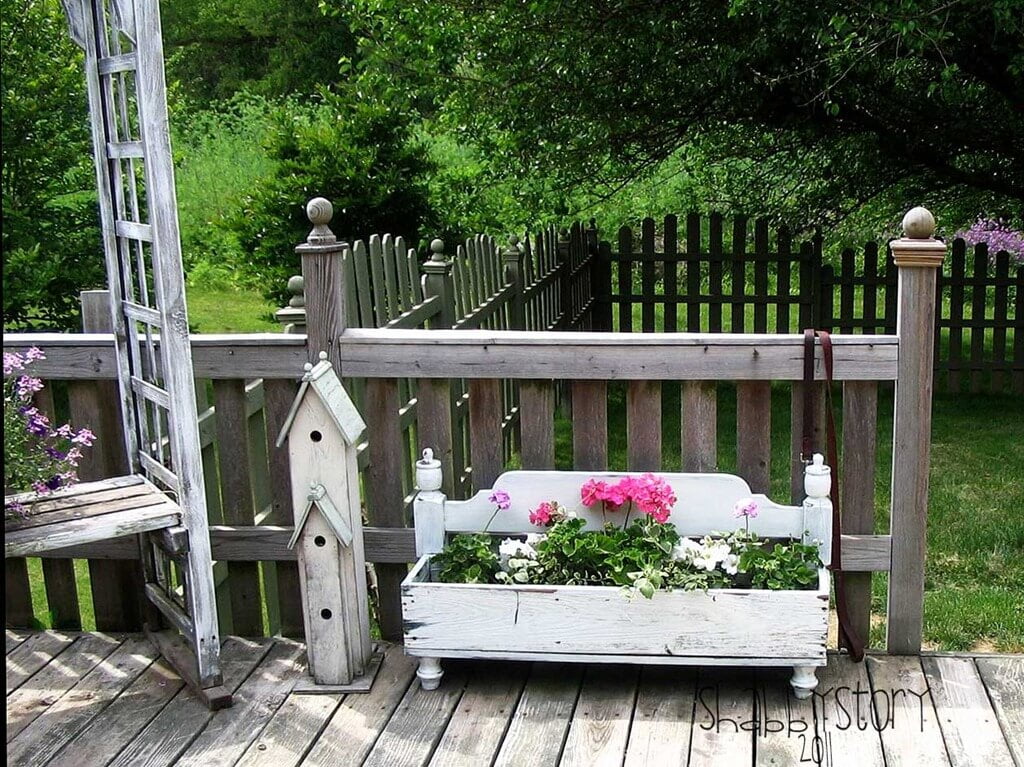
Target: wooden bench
[86, 513]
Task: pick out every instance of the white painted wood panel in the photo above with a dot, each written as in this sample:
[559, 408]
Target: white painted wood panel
[601, 620]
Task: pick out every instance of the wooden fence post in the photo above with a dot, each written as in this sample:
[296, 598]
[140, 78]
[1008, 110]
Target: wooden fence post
[323, 282]
[600, 279]
[917, 256]
[434, 408]
[117, 585]
[512, 259]
[293, 316]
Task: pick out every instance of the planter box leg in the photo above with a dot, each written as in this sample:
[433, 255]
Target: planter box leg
[804, 681]
[429, 673]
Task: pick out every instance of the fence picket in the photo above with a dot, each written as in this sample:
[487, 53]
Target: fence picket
[977, 321]
[671, 240]
[871, 287]
[739, 274]
[699, 426]
[956, 281]
[360, 260]
[783, 278]
[647, 275]
[761, 276]
[485, 417]
[625, 280]
[692, 273]
[860, 435]
[379, 295]
[590, 425]
[643, 426]
[715, 260]
[753, 433]
[394, 306]
[537, 424]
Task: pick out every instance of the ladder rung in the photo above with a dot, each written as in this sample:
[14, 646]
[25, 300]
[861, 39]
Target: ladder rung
[142, 313]
[151, 392]
[171, 610]
[158, 470]
[134, 230]
[112, 64]
[123, 150]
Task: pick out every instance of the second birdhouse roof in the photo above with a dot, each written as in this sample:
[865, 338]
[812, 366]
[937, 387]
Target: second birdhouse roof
[324, 382]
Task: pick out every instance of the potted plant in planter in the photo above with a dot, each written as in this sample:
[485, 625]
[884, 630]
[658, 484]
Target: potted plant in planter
[686, 569]
[39, 457]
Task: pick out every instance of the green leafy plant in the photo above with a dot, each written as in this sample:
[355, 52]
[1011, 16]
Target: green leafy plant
[467, 559]
[792, 565]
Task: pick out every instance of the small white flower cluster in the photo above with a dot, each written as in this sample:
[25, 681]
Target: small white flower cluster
[707, 554]
[516, 558]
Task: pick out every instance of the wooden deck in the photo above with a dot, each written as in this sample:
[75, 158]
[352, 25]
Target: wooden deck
[94, 699]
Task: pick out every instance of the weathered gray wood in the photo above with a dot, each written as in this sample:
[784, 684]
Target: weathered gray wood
[970, 726]
[278, 396]
[902, 709]
[231, 730]
[80, 531]
[860, 419]
[291, 731]
[14, 639]
[485, 416]
[56, 516]
[435, 426]
[599, 731]
[179, 722]
[236, 497]
[916, 260]
[356, 724]
[664, 356]
[699, 426]
[723, 700]
[410, 736]
[62, 594]
[663, 716]
[61, 722]
[590, 425]
[537, 424]
[837, 686]
[33, 654]
[786, 743]
[18, 609]
[1004, 681]
[121, 722]
[33, 697]
[542, 717]
[796, 420]
[477, 726]
[754, 433]
[643, 426]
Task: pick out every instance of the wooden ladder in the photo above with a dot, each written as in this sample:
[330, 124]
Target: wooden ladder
[124, 70]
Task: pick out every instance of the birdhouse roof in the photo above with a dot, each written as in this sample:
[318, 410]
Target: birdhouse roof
[321, 380]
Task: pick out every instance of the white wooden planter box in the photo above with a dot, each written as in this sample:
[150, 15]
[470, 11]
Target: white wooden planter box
[736, 627]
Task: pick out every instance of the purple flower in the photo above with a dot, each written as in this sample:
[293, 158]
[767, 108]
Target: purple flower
[12, 361]
[745, 507]
[84, 437]
[53, 482]
[27, 386]
[998, 235]
[34, 353]
[54, 453]
[501, 499]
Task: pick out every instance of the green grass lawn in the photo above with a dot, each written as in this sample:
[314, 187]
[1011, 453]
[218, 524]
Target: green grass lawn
[214, 310]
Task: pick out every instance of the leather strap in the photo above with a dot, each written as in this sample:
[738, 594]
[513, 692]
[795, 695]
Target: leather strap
[848, 636]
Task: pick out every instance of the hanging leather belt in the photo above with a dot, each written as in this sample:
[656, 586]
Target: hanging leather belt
[848, 636]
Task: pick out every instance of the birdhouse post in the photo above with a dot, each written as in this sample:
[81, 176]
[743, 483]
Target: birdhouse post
[322, 429]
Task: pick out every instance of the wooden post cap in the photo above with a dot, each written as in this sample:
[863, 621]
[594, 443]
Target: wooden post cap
[319, 211]
[917, 247]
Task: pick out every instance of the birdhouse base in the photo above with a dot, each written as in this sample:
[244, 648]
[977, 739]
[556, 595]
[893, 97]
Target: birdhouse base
[363, 683]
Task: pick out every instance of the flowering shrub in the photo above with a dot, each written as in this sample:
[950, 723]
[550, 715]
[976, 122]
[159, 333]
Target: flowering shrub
[37, 456]
[641, 556]
[998, 234]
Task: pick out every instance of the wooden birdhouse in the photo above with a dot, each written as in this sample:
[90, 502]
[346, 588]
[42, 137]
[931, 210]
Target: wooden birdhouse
[323, 429]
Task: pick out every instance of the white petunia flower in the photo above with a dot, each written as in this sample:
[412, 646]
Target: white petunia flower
[510, 548]
[687, 549]
[731, 564]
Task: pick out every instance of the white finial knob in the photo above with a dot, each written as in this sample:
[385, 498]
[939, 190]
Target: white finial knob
[322, 356]
[817, 477]
[918, 224]
[307, 366]
[428, 471]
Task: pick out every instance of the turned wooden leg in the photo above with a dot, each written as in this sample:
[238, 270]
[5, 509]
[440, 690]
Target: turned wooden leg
[429, 673]
[804, 681]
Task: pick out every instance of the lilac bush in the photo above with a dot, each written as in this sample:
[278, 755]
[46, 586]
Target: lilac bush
[998, 234]
[38, 456]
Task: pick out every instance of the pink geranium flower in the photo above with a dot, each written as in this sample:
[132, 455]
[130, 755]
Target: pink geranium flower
[542, 515]
[745, 507]
[594, 491]
[501, 499]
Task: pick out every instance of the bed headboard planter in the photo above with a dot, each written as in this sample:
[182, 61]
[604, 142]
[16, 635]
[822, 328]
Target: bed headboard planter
[589, 623]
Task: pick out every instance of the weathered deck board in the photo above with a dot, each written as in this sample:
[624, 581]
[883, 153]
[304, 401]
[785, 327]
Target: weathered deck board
[970, 727]
[231, 730]
[474, 733]
[33, 654]
[181, 720]
[61, 722]
[542, 717]
[122, 721]
[1004, 680]
[599, 731]
[660, 733]
[409, 737]
[903, 709]
[724, 701]
[14, 640]
[355, 726]
[91, 699]
[47, 686]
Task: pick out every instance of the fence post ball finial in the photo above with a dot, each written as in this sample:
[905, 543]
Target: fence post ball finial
[817, 478]
[437, 250]
[428, 472]
[513, 240]
[918, 224]
[319, 211]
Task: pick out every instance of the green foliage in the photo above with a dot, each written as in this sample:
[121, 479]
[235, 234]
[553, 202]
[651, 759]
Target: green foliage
[467, 559]
[358, 153]
[51, 241]
[782, 566]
